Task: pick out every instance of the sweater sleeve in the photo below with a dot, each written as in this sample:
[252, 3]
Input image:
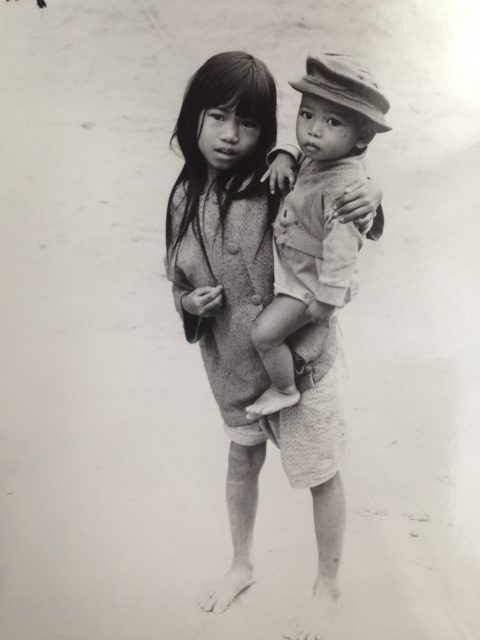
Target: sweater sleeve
[291, 149]
[340, 247]
[193, 326]
[376, 231]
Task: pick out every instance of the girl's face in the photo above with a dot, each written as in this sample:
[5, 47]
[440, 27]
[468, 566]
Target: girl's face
[224, 138]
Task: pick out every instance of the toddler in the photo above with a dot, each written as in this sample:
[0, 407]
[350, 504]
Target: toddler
[315, 255]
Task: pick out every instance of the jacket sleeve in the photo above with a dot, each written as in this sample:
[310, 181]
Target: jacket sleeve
[340, 247]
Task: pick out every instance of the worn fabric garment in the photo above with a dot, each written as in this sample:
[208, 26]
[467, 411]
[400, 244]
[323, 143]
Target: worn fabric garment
[241, 261]
[311, 436]
[376, 230]
[316, 255]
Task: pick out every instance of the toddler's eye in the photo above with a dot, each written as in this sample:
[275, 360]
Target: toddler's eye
[334, 122]
[305, 114]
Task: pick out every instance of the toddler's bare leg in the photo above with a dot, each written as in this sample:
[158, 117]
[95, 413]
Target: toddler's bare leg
[244, 465]
[279, 320]
[317, 618]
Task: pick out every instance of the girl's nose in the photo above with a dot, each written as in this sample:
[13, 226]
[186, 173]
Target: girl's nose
[230, 132]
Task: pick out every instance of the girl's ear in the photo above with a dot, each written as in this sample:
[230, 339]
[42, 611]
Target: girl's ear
[365, 136]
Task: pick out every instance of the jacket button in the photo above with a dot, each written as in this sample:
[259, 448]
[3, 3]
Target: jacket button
[232, 248]
[256, 299]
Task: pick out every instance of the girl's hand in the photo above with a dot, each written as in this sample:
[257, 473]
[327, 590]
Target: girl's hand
[203, 301]
[282, 172]
[359, 203]
[320, 312]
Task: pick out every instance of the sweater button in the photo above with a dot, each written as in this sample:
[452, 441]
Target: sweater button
[256, 299]
[232, 248]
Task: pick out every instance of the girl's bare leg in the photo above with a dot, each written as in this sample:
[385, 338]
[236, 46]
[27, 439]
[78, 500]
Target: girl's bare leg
[316, 620]
[278, 321]
[244, 465]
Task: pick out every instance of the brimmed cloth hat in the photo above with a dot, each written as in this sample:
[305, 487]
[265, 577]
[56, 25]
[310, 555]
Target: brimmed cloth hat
[341, 79]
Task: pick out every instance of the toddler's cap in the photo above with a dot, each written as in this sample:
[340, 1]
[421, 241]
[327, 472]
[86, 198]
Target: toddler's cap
[341, 79]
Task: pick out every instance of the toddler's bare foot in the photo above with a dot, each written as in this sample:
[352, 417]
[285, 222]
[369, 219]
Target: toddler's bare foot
[272, 400]
[218, 597]
[316, 620]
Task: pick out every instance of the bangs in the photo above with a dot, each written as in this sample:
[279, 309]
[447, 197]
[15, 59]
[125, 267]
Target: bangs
[246, 87]
[254, 102]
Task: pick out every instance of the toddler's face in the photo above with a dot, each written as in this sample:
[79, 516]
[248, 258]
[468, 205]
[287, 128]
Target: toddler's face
[224, 138]
[326, 131]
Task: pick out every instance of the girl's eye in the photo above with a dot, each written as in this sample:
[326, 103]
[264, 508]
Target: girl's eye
[306, 114]
[216, 115]
[250, 124]
[334, 122]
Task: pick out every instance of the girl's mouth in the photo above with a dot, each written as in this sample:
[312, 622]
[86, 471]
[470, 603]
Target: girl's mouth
[226, 151]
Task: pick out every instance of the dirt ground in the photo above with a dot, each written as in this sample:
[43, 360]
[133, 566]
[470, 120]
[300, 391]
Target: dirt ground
[112, 455]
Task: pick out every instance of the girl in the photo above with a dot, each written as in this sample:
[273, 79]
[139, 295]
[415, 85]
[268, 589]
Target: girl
[219, 258]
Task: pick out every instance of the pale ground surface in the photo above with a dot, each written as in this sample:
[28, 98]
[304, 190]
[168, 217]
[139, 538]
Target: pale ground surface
[113, 458]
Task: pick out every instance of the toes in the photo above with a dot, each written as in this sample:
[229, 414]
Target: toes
[208, 605]
[252, 411]
[291, 632]
[220, 606]
[206, 601]
[297, 632]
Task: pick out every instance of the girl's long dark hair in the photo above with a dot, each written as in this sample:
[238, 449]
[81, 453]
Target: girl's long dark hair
[233, 78]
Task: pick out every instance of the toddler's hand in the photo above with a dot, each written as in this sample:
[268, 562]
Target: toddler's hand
[282, 172]
[320, 312]
[359, 204]
[203, 301]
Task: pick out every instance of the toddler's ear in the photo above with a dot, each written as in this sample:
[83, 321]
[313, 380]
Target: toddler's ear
[365, 136]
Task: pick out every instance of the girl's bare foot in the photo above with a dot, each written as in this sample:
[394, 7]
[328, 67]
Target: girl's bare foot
[316, 620]
[218, 597]
[272, 400]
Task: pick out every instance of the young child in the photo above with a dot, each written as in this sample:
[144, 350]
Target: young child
[219, 258]
[315, 256]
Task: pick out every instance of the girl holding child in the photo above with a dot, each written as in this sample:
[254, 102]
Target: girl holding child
[220, 261]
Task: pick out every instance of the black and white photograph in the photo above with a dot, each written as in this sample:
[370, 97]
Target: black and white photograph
[240, 371]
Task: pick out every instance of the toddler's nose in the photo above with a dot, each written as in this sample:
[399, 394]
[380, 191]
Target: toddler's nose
[316, 130]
